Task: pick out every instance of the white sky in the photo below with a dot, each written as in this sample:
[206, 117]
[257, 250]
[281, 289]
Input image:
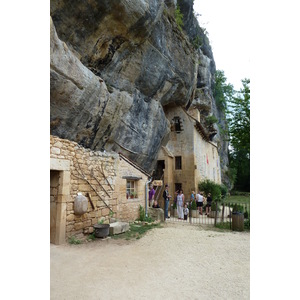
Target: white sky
[228, 26]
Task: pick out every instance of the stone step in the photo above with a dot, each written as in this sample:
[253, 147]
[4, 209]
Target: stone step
[118, 227]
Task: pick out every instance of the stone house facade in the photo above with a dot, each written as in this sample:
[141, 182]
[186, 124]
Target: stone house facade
[189, 156]
[105, 179]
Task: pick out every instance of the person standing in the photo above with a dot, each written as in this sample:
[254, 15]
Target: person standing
[193, 196]
[199, 199]
[208, 205]
[151, 195]
[180, 203]
[185, 212]
[166, 197]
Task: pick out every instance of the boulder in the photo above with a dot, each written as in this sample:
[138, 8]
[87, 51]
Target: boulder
[156, 213]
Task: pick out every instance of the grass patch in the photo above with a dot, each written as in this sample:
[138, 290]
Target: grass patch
[223, 225]
[238, 199]
[136, 231]
[74, 241]
[92, 237]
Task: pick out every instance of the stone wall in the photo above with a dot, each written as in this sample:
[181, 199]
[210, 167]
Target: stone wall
[86, 169]
[194, 152]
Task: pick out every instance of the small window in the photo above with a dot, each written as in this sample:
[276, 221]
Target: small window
[177, 162]
[177, 124]
[131, 189]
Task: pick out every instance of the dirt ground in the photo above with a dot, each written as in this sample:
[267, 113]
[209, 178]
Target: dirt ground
[178, 261]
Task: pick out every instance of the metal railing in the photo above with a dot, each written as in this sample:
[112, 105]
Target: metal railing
[223, 214]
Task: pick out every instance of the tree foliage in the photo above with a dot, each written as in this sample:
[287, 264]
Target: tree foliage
[222, 90]
[238, 112]
[237, 108]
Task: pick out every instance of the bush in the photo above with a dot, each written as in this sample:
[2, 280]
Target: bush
[208, 186]
[215, 206]
[193, 205]
[224, 190]
[247, 224]
[179, 18]
[143, 217]
[237, 208]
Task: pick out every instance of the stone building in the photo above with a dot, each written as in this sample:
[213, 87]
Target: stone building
[106, 180]
[190, 156]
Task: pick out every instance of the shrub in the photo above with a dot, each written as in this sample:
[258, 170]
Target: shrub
[142, 213]
[215, 206]
[247, 224]
[74, 241]
[179, 17]
[210, 120]
[224, 190]
[193, 205]
[142, 216]
[208, 186]
[238, 208]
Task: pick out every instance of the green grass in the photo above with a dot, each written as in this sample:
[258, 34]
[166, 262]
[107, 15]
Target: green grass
[238, 199]
[136, 231]
[74, 241]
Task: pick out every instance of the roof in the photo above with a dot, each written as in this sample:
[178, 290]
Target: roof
[167, 151]
[134, 164]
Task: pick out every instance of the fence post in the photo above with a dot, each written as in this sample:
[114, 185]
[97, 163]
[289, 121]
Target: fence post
[230, 215]
[223, 208]
[216, 213]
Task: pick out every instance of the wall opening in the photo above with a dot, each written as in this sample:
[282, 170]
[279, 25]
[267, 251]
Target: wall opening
[54, 185]
[59, 195]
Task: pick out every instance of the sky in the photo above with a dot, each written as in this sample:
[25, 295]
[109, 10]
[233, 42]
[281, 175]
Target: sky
[228, 26]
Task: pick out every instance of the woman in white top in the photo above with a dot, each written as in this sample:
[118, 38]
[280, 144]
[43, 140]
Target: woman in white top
[180, 204]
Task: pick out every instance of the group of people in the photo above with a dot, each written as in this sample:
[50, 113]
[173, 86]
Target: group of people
[182, 205]
[200, 199]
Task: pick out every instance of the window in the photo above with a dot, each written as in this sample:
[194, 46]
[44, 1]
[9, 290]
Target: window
[177, 162]
[177, 124]
[131, 188]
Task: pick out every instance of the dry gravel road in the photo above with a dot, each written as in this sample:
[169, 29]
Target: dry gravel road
[178, 261]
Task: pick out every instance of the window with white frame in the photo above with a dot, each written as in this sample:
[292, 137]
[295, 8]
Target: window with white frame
[131, 189]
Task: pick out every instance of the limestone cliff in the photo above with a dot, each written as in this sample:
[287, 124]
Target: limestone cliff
[116, 65]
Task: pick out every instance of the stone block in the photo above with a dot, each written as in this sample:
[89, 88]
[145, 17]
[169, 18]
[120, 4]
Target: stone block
[118, 227]
[156, 213]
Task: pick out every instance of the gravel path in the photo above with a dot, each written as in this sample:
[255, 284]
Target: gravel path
[178, 261]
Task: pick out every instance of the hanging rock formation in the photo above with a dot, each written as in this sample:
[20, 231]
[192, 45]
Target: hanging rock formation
[116, 65]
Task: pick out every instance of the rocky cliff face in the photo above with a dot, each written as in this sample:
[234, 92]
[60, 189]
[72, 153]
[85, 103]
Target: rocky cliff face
[116, 65]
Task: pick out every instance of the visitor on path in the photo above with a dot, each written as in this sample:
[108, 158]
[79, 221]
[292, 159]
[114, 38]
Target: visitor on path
[155, 205]
[180, 203]
[185, 212]
[199, 199]
[192, 196]
[166, 197]
[208, 204]
[151, 195]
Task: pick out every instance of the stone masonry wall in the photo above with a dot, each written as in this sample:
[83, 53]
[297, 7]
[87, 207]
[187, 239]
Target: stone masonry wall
[88, 164]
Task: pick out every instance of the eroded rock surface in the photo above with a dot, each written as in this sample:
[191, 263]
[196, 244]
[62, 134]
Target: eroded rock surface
[116, 65]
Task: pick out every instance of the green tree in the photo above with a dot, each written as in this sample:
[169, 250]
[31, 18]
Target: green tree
[222, 91]
[238, 112]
